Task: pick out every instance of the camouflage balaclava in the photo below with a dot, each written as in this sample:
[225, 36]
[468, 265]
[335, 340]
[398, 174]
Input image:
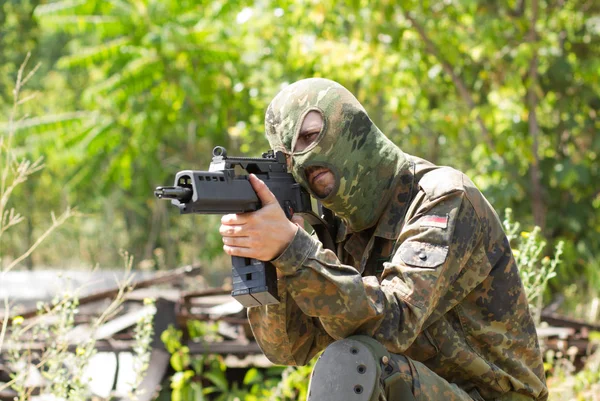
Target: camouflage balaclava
[363, 160]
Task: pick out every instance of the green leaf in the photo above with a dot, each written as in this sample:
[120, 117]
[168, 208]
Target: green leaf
[171, 337]
[92, 55]
[181, 359]
[139, 71]
[64, 7]
[49, 122]
[218, 378]
[82, 23]
[253, 376]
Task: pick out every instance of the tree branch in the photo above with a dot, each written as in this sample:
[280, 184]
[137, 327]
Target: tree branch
[461, 87]
[4, 321]
[519, 9]
[56, 222]
[537, 201]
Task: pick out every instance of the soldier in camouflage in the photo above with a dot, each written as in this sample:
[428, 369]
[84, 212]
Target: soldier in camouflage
[422, 299]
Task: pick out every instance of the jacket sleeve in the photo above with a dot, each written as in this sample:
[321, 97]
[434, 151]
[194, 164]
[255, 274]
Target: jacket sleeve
[439, 237]
[284, 333]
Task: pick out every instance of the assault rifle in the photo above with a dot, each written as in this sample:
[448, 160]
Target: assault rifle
[221, 191]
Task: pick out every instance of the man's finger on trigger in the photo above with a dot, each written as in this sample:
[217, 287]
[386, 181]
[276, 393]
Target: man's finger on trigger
[264, 193]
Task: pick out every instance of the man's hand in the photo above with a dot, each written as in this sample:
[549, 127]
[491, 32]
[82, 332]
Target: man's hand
[263, 234]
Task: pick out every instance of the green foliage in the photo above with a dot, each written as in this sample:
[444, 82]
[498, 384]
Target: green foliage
[143, 333]
[16, 170]
[294, 383]
[535, 271]
[203, 331]
[580, 386]
[62, 368]
[198, 377]
[135, 90]
[141, 89]
[209, 368]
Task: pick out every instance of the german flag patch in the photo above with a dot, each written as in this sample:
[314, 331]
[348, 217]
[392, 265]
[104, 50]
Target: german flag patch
[434, 221]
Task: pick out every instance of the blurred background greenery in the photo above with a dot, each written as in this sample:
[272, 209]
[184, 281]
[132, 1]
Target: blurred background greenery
[132, 91]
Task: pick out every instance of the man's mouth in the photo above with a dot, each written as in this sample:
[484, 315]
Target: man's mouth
[313, 173]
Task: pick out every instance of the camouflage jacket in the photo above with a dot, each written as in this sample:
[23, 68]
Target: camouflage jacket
[434, 280]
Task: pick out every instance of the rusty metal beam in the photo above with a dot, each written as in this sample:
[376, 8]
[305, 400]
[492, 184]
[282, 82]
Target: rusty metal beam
[8, 395]
[223, 347]
[554, 319]
[159, 278]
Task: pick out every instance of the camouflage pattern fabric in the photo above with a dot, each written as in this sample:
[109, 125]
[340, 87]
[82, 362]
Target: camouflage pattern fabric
[425, 384]
[433, 280]
[363, 160]
[398, 375]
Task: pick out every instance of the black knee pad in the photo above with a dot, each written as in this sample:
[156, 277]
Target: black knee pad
[348, 369]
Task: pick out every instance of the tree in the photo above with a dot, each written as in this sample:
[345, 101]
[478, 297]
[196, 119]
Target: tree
[505, 91]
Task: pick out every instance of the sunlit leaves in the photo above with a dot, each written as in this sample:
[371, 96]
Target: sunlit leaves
[167, 80]
[88, 56]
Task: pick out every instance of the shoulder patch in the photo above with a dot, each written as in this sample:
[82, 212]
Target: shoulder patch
[442, 181]
[434, 221]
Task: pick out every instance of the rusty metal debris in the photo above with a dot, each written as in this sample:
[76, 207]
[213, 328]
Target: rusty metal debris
[159, 278]
[116, 337]
[234, 337]
[568, 337]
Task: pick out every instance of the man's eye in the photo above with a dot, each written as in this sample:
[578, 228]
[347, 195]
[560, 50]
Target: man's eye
[310, 136]
[305, 139]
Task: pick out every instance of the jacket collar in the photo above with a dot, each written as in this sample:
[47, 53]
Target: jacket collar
[391, 221]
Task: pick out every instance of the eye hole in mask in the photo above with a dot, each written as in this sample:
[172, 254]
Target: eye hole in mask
[309, 132]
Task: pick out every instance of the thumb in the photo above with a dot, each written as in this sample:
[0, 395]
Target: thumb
[264, 193]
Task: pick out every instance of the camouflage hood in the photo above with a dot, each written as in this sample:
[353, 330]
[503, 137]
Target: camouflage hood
[365, 162]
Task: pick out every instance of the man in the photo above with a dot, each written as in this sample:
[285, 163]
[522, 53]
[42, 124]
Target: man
[422, 298]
